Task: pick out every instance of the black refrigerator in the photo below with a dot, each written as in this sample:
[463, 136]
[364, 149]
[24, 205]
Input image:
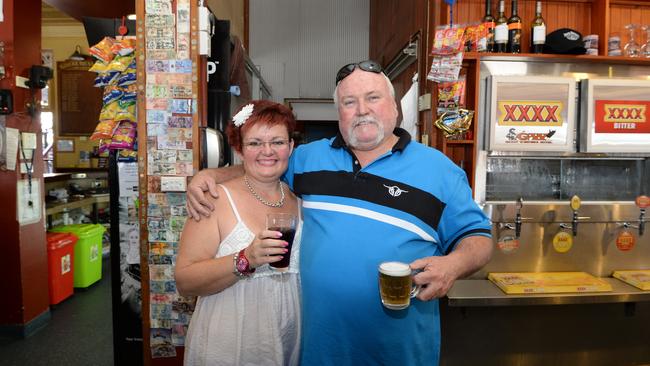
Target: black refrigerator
[125, 261]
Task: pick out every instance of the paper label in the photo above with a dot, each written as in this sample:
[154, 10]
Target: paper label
[539, 34]
[501, 33]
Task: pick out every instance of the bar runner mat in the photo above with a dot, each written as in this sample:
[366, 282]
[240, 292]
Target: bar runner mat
[638, 278]
[548, 282]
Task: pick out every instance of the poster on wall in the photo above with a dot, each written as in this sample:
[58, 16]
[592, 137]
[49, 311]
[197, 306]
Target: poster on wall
[528, 113]
[615, 116]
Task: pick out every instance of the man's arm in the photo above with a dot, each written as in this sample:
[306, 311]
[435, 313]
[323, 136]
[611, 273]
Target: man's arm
[439, 273]
[206, 181]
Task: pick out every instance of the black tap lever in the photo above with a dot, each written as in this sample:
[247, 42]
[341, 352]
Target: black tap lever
[575, 205]
[520, 204]
[642, 202]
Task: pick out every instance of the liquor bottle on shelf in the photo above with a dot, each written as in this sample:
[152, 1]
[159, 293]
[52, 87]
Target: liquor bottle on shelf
[514, 30]
[488, 20]
[501, 29]
[538, 30]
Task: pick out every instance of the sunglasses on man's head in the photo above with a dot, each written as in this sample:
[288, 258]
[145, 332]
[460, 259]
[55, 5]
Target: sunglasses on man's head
[368, 65]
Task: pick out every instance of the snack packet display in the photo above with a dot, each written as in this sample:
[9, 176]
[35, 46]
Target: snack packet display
[104, 130]
[112, 94]
[102, 50]
[108, 78]
[452, 123]
[120, 63]
[125, 112]
[124, 136]
[123, 47]
[104, 146]
[99, 67]
[448, 40]
[108, 111]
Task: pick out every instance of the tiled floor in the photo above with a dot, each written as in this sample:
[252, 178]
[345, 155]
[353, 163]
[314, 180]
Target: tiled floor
[79, 333]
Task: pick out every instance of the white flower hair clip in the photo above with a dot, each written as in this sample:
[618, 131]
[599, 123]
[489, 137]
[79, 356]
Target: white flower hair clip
[240, 118]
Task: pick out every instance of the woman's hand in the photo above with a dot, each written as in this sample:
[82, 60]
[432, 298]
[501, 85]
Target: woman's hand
[266, 248]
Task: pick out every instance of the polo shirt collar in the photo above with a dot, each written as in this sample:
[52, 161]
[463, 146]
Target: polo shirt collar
[403, 140]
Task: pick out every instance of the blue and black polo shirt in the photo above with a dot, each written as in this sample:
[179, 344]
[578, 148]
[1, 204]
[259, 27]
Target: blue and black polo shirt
[410, 203]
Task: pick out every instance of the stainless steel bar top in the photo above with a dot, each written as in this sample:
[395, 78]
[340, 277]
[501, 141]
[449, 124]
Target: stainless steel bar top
[476, 292]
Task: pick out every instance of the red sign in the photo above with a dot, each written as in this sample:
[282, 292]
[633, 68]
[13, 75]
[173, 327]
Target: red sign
[625, 241]
[642, 201]
[622, 116]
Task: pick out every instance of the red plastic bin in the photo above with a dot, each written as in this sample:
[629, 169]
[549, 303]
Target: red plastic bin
[60, 256]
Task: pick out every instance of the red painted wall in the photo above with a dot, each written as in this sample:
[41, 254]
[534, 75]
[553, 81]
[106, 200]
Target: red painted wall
[23, 255]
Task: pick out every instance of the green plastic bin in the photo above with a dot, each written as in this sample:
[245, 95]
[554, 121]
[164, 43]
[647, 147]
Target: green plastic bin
[87, 260]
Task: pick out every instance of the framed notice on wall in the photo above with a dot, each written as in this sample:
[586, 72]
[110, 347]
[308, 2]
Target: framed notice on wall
[529, 113]
[78, 101]
[615, 116]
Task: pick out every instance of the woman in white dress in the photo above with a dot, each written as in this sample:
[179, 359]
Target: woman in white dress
[247, 313]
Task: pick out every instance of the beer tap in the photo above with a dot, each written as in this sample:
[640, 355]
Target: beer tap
[516, 226]
[575, 205]
[520, 204]
[642, 202]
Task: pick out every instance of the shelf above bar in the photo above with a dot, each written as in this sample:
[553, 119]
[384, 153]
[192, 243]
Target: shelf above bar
[486, 293]
[533, 57]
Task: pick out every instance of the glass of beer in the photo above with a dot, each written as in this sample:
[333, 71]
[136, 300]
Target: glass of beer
[396, 285]
[286, 224]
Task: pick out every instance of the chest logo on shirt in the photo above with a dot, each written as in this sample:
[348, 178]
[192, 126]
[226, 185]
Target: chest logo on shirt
[395, 191]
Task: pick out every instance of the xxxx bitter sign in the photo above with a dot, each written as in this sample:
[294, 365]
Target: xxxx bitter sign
[622, 116]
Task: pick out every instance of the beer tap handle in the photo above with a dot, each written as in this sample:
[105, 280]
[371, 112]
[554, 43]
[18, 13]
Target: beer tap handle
[642, 202]
[575, 205]
[520, 204]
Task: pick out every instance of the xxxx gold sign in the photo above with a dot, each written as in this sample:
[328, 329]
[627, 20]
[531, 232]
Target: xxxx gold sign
[530, 113]
[621, 116]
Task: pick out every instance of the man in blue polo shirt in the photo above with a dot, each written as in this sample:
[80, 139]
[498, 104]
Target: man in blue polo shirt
[372, 195]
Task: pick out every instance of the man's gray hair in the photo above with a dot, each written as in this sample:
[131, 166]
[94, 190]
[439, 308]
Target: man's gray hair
[388, 82]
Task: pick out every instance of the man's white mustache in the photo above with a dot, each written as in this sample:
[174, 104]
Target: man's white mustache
[366, 119]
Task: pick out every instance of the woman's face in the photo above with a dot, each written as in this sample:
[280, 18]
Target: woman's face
[265, 151]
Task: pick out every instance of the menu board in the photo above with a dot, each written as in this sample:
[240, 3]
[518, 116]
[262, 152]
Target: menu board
[78, 101]
[529, 113]
[548, 282]
[638, 278]
[615, 116]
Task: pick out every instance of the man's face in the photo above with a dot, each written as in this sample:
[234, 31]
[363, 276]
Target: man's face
[367, 110]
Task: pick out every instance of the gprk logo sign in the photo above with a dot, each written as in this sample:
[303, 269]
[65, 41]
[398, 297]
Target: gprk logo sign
[621, 116]
[523, 137]
[530, 113]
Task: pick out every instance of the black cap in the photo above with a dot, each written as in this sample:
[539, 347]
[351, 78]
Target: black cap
[565, 41]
